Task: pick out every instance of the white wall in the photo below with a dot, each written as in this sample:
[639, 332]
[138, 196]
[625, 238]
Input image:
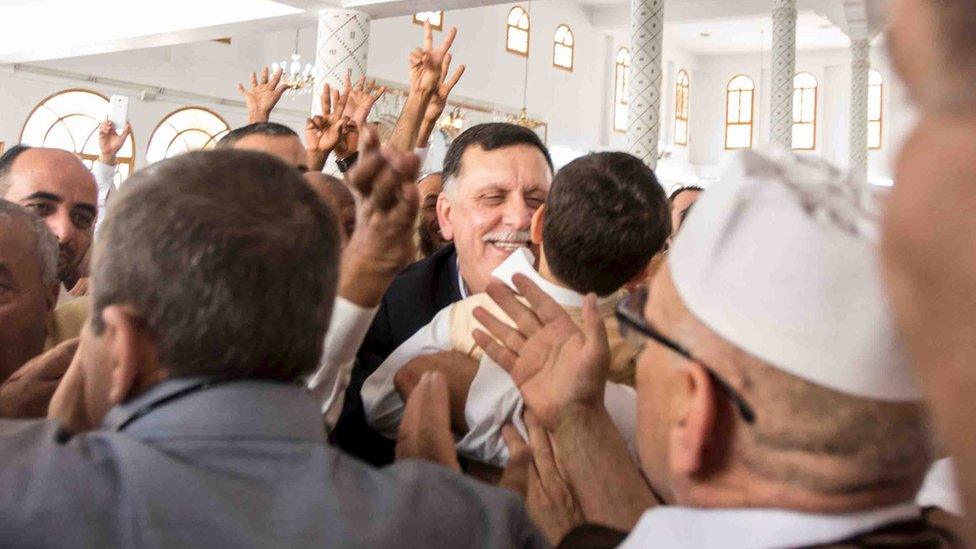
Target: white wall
[570, 102]
[578, 105]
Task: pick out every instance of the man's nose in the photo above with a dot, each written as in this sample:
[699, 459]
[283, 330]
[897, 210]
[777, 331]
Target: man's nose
[62, 227]
[518, 214]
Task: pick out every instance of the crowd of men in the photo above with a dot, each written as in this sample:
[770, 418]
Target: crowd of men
[236, 349]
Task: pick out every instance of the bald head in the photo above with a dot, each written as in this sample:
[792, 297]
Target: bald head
[338, 196]
[56, 186]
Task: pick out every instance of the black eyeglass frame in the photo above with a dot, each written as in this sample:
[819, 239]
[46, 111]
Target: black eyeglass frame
[635, 320]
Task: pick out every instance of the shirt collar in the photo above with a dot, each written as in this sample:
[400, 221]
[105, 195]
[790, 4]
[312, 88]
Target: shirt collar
[240, 408]
[522, 261]
[747, 528]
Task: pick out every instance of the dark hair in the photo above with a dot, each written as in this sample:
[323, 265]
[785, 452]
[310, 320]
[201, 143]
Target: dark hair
[679, 190]
[230, 258]
[6, 162]
[606, 216]
[490, 137]
[271, 129]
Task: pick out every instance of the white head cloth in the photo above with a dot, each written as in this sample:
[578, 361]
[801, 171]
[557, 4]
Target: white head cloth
[780, 258]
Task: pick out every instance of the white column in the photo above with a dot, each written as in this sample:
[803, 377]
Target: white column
[647, 40]
[860, 65]
[342, 46]
[783, 68]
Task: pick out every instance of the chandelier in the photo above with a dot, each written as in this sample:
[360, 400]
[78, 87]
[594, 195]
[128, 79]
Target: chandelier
[522, 119]
[298, 80]
[454, 121]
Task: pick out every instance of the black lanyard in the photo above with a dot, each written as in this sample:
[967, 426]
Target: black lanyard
[187, 391]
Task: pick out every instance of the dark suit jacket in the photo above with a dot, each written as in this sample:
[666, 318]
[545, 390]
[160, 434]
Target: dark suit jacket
[411, 302]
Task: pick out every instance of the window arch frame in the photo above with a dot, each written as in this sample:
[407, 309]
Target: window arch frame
[682, 106]
[213, 138]
[752, 110]
[130, 162]
[418, 21]
[509, 27]
[880, 120]
[621, 86]
[803, 95]
[556, 44]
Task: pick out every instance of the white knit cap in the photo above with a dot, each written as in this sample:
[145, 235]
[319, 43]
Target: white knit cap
[780, 258]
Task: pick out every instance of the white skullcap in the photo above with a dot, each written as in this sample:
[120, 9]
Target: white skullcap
[780, 258]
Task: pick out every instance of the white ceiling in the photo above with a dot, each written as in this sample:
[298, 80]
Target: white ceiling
[737, 26]
[813, 32]
[29, 32]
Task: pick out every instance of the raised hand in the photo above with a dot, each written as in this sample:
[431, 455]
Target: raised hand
[28, 391]
[362, 97]
[427, 63]
[324, 132]
[263, 95]
[110, 143]
[532, 472]
[560, 369]
[425, 432]
[382, 244]
[438, 101]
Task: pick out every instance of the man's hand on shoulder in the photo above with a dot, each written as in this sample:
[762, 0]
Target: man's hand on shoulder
[458, 370]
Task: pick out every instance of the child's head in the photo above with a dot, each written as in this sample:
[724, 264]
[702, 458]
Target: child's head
[605, 218]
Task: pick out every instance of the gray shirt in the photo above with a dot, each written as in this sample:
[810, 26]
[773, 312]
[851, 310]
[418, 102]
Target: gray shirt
[238, 464]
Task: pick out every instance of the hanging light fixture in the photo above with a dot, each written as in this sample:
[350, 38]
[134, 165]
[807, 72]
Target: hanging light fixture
[298, 80]
[523, 119]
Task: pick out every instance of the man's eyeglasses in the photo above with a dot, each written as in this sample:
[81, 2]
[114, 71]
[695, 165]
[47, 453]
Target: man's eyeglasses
[630, 314]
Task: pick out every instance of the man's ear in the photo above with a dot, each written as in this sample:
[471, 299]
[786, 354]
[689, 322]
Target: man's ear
[695, 420]
[444, 217]
[132, 352]
[535, 228]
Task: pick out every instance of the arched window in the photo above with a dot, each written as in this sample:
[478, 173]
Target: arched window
[435, 18]
[621, 89]
[183, 130]
[563, 48]
[682, 97]
[738, 112]
[804, 112]
[875, 108]
[69, 120]
[517, 34]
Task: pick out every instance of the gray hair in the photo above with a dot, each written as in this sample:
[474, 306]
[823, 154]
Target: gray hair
[45, 244]
[231, 260]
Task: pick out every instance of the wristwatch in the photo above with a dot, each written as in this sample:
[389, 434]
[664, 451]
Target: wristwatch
[344, 164]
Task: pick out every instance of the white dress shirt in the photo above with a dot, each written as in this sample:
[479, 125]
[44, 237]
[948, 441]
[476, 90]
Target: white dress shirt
[493, 399]
[674, 527]
[105, 179]
[941, 488]
[348, 328]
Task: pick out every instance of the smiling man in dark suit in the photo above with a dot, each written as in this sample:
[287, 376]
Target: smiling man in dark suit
[495, 177]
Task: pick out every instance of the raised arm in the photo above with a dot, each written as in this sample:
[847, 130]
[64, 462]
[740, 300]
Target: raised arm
[426, 65]
[561, 371]
[323, 133]
[263, 95]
